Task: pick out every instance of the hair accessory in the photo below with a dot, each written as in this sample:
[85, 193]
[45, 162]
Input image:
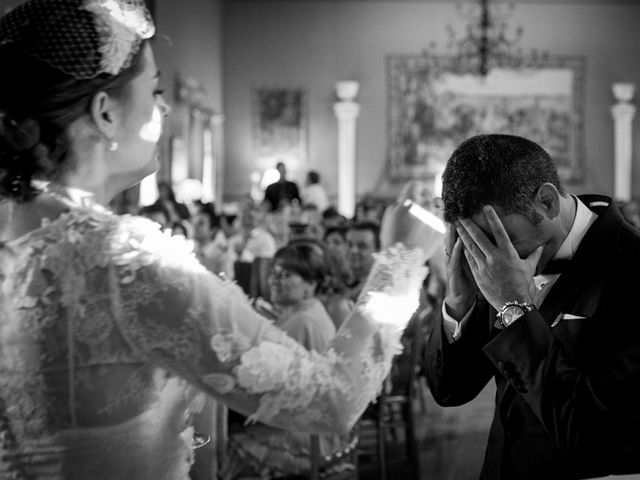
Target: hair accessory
[82, 38]
[121, 26]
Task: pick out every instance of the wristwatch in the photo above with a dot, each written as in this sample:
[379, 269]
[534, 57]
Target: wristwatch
[512, 311]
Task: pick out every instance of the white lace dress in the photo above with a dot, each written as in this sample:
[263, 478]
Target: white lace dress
[107, 325]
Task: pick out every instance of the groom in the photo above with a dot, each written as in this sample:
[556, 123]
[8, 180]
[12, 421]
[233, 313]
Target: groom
[543, 296]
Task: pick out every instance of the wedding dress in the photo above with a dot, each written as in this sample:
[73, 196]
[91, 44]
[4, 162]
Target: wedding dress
[109, 328]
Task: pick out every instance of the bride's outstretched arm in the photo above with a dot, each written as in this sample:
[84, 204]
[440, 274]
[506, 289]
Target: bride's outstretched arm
[205, 330]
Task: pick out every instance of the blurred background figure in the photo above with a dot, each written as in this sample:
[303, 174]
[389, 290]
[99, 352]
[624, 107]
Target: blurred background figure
[281, 192]
[314, 193]
[253, 246]
[299, 271]
[369, 210]
[335, 240]
[331, 218]
[158, 213]
[311, 216]
[211, 246]
[363, 240]
[252, 240]
[419, 191]
[177, 211]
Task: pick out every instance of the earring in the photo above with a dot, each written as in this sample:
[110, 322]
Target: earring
[113, 146]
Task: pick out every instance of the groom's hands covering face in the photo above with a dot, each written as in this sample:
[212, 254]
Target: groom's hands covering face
[499, 272]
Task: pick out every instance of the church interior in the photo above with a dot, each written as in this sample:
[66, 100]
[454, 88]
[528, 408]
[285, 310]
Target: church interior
[372, 95]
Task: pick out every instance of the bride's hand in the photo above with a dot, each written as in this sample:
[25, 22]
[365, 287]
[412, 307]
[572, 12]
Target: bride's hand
[405, 221]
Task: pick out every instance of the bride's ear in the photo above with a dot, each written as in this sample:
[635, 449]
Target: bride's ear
[105, 114]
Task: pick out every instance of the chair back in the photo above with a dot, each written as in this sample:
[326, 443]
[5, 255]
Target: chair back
[252, 277]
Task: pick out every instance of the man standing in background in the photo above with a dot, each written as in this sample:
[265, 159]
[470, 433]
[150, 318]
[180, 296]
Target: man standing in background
[314, 193]
[281, 191]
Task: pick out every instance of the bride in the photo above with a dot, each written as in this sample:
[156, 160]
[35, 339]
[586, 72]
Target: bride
[107, 326]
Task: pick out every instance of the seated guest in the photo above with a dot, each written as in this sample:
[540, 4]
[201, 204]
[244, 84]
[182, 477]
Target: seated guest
[333, 291]
[158, 213]
[211, 246]
[314, 193]
[297, 272]
[335, 239]
[166, 197]
[363, 240]
[311, 216]
[331, 218]
[180, 229]
[253, 240]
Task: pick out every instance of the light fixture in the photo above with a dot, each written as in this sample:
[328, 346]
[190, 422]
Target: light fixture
[487, 42]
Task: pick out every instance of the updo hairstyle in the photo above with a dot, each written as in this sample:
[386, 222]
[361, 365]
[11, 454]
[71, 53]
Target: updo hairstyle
[37, 105]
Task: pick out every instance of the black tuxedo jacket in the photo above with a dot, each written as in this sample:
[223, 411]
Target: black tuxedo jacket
[567, 375]
[278, 191]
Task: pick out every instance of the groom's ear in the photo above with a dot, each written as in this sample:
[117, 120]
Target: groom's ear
[547, 200]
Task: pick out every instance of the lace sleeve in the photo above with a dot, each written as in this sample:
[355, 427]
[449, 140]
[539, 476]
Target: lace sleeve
[177, 315]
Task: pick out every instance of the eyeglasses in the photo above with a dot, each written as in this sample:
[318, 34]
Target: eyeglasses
[280, 274]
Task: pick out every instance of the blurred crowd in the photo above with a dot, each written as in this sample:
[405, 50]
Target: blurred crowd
[303, 264]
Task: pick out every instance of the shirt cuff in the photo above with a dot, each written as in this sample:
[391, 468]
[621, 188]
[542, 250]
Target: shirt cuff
[452, 327]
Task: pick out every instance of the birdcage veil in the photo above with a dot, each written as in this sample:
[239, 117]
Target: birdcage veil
[82, 38]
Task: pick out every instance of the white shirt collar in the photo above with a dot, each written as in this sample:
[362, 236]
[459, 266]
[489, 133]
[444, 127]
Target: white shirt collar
[581, 223]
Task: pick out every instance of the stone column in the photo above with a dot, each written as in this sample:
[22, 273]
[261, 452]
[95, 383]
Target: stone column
[217, 127]
[623, 113]
[346, 111]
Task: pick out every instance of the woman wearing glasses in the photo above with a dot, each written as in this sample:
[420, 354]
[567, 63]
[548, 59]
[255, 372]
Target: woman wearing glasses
[297, 274]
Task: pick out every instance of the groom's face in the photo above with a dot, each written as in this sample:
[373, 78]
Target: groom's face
[525, 236]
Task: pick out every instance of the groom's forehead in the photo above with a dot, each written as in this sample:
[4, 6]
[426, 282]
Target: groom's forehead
[514, 224]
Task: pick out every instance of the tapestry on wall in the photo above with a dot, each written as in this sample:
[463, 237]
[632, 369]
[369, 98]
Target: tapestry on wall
[280, 125]
[432, 109]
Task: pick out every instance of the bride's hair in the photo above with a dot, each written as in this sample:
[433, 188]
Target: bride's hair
[55, 56]
[37, 105]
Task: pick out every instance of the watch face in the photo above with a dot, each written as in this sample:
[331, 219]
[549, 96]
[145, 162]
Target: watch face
[511, 314]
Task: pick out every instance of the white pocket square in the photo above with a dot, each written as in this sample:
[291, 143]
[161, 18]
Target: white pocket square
[566, 316]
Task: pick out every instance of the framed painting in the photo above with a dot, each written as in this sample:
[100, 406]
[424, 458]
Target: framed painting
[432, 109]
[280, 125]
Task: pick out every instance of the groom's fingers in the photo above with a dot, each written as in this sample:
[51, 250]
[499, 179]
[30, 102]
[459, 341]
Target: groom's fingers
[497, 228]
[464, 228]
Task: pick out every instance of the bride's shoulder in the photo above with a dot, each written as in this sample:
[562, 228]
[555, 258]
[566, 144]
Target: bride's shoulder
[128, 239]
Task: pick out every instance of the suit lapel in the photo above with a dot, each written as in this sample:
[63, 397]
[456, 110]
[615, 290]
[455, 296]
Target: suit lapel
[579, 288]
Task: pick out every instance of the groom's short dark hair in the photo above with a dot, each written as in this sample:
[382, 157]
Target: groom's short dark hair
[499, 170]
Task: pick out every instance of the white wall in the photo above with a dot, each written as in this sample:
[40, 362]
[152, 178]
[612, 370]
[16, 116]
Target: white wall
[313, 44]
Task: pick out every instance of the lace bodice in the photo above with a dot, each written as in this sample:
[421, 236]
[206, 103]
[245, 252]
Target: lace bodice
[108, 325]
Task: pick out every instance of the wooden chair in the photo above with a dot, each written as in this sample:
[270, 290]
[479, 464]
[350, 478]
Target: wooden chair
[252, 277]
[340, 466]
[394, 411]
[399, 398]
[372, 443]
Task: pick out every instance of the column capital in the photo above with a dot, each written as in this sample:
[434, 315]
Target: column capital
[346, 110]
[623, 111]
